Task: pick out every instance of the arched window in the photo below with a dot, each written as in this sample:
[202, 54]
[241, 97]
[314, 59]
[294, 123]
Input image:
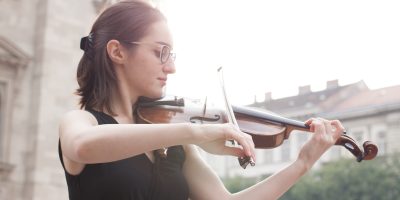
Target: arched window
[4, 112]
[1, 114]
[13, 61]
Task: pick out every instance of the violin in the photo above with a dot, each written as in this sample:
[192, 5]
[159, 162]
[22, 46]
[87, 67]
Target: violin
[267, 130]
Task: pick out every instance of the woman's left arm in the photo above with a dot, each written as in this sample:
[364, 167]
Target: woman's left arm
[202, 180]
[205, 184]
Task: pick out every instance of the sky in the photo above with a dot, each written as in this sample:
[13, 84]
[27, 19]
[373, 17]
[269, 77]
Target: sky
[277, 46]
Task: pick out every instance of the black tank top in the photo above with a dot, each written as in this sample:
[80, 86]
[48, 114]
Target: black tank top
[134, 178]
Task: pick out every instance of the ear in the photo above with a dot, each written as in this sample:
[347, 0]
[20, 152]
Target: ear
[116, 51]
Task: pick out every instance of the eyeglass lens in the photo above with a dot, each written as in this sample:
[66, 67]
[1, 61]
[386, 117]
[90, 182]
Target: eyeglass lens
[165, 53]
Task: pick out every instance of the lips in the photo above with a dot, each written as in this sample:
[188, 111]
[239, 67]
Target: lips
[162, 80]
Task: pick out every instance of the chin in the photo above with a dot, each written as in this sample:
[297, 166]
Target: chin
[156, 94]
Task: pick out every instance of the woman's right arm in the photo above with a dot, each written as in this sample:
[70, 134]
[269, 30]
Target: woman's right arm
[84, 141]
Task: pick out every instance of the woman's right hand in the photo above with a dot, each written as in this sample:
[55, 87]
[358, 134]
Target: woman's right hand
[212, 138]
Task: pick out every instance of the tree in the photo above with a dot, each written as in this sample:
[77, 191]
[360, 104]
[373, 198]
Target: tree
[346, 179]
[343, 179]
[238, 183]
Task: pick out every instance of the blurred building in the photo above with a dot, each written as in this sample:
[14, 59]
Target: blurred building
[39, 53]
[366, 114]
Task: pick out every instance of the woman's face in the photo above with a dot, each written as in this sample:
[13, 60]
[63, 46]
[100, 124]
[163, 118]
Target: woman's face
[144, 71]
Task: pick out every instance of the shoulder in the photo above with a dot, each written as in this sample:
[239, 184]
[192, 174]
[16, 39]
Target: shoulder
[77, 117]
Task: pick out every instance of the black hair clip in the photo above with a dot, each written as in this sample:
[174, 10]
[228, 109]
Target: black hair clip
[87, 42]
[87, 45]
[84, 43]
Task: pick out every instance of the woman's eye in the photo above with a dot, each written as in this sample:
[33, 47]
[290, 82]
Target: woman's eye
[157, 53]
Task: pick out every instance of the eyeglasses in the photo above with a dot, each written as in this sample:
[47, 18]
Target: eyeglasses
[165, 53]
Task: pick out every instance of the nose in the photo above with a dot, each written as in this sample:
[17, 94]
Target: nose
[169, 67]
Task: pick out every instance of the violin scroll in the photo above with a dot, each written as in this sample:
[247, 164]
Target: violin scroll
[370, 150]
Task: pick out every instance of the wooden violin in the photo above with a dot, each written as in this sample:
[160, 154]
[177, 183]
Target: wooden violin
[267, 130]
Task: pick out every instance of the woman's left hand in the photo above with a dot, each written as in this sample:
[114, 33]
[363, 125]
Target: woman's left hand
[326, 133]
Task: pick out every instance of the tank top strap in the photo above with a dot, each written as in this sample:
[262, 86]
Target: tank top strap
[60, 153]
[102, 118]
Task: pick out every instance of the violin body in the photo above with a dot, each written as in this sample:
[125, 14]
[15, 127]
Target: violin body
[267, 130]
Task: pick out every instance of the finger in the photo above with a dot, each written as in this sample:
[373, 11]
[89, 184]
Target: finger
[329, 132]
[246, 145]
[243, 139]
[252, 146]
[339, 127]
[233, 151]
[319, 126]
[328, 126]
[309, 123]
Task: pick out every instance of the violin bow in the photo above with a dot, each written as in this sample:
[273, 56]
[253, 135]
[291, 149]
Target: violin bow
[246, 160]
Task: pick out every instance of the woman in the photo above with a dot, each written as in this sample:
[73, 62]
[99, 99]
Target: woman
[106, 155]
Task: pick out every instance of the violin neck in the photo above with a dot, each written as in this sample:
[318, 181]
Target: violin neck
[292, 124]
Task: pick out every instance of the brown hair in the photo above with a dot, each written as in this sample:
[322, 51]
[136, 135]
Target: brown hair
[123, 21]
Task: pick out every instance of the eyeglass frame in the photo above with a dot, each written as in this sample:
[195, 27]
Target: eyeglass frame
[171, 55]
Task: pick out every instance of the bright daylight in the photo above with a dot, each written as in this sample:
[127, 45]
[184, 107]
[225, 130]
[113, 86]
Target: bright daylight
[199, 100]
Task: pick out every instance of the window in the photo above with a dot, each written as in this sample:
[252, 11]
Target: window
[302, 138]
[2, 113]
[381, 142]
[285, 151]
[4, 94]
[267, 156]
[358, 137]
[1, 118]
[13, 62]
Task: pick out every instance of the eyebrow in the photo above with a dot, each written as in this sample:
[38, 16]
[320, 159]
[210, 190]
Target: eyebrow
[164, 43]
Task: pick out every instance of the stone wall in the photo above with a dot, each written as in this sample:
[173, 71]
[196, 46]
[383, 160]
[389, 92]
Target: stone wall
[48, 32]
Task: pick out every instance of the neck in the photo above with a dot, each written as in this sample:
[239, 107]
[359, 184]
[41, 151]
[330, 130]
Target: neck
[122, 103]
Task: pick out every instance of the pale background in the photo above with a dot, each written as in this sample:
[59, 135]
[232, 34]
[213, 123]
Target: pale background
[264, 46]
[276, 46]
